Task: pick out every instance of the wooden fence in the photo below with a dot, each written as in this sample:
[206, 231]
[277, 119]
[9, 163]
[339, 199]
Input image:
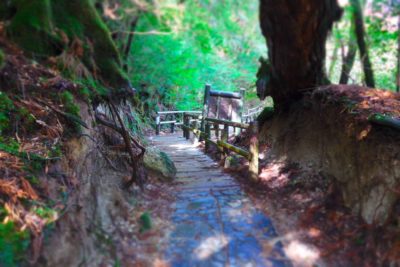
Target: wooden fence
[201, 125]
[171, 118]
[191, 123]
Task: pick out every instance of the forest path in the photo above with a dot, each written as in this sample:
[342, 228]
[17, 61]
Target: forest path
[215, 223]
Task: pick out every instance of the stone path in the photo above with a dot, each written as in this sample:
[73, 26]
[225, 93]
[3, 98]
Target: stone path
[215, 223]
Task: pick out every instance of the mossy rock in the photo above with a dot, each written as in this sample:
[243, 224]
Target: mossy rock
[159, 163]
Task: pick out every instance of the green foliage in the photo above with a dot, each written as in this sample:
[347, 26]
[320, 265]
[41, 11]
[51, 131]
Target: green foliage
[380, 21]
[46, 213]
[194, 48]
[13, 244]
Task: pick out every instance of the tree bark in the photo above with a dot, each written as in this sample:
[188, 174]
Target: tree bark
[333, 60]
[362, 46]
[296, 32]
[348, 60]
[398, 56]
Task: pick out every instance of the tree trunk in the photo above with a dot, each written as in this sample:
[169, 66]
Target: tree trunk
[348, 60]
[398, 57]
[130, 40]
[296, 32]
[333, 60]
[360, 34]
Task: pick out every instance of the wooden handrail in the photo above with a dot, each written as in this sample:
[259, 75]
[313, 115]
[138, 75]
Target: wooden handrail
[224, 94]
[229, 123]
[174, 121]
[222, 142]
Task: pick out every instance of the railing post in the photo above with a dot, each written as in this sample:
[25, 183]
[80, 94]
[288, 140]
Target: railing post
[186, 132]
[195, 127]
[158, 125]
[216, 128]
[208, 136]
[224, 138]
[173, 127]
[241, 109]
[254, 151]
[205, 107]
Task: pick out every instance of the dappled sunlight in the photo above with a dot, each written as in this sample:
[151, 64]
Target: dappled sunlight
[210, 246]
[272, 173]
[182, 146]
[301, 254]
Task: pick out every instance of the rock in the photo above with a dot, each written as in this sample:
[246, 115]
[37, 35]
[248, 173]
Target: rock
[157, 161]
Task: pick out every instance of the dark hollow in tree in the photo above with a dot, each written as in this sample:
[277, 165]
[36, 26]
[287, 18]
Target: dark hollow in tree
[296, 32]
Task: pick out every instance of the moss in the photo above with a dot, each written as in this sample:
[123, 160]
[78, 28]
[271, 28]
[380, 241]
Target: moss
[85, 94]
[13, 244]
[32, 28]
[6, 107]
[2, 59]
[43, 28]
[79, 18]
[70, 107]
[145, 222]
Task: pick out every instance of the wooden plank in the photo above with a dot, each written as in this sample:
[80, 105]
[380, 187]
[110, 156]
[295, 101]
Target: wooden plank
[229, 123]
[167, 122]
[235, 149]
[225, 94]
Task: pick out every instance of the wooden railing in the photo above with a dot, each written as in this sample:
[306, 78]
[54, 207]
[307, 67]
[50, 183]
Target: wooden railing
[252, 114]
[191, 123]
[201, 125]
[172, 118]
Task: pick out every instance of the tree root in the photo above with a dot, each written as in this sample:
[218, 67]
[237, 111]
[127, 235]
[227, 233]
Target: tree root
[138, 174]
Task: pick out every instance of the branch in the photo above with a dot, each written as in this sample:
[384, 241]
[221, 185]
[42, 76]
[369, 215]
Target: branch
[64, 114]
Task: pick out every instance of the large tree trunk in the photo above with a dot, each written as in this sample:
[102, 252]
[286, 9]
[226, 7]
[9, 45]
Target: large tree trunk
[296, 32]
[360, 33]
